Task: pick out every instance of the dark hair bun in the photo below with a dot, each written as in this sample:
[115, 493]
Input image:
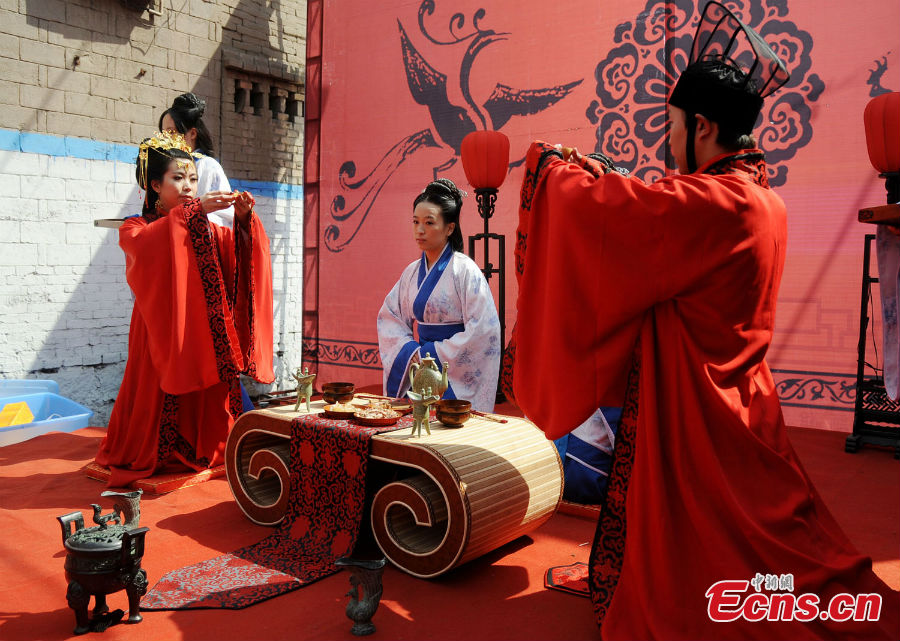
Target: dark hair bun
[190, 103]
[444, 185]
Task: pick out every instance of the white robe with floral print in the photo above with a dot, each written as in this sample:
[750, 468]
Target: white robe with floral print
[460, 296]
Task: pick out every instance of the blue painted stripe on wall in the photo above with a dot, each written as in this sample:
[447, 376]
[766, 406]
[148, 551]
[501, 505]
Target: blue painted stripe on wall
[9, 139]
[41, 144]
[71, 147]
[65, 146]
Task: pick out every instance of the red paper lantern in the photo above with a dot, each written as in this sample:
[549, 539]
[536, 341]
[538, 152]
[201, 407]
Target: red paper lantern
[882, 121]
[485, 158]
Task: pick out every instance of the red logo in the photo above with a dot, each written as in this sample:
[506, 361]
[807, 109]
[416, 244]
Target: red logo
[728, 601]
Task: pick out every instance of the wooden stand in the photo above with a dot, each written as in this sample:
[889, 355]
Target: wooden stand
[455, 495]
[876, 418]
[881, 215]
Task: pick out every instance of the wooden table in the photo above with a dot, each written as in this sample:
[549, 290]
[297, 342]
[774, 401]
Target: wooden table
[458, 493]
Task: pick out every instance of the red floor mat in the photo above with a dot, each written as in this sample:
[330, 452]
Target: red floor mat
[159, 483]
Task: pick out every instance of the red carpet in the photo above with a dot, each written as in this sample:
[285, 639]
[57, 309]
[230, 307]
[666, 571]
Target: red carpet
[159, 483]
[499, 596]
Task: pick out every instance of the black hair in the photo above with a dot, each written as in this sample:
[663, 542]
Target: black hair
[725, 95]
[446, 195]
[158, 163]
[187, 113]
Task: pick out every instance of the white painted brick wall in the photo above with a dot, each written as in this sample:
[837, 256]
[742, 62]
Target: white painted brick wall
[64, 303]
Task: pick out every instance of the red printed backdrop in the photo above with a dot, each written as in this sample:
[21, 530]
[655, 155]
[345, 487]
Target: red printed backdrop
[402, 85]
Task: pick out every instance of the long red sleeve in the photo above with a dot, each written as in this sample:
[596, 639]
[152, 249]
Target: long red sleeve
[184, 290]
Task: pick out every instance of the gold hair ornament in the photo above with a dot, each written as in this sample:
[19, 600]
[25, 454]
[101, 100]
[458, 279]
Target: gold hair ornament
[162, 141]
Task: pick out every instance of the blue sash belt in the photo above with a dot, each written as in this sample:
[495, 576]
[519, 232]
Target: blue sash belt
[428, 334]
[431, 333]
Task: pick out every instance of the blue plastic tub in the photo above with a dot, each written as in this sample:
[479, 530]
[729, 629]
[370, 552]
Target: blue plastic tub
[52, 413]
[19, 387]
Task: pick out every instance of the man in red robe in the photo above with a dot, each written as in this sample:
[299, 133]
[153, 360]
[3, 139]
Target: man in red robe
[202, 316]
[705, 487]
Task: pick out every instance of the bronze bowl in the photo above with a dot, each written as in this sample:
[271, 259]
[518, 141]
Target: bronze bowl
[339, 392]
[453, 412]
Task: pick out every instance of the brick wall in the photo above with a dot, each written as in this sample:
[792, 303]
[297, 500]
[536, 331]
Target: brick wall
[96, 69]
[64, 304]
[83, 75]
[261, 121]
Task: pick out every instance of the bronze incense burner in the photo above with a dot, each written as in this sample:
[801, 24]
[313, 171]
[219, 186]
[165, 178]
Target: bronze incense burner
[105, 559]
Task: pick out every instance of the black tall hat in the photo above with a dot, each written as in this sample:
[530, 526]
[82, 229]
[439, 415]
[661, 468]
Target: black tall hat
[722, 40]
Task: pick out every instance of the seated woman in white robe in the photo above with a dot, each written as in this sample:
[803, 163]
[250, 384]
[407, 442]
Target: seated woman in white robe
[443, 296]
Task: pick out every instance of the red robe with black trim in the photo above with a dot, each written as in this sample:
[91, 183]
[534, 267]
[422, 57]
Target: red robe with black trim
[202, 316]
[670, 288]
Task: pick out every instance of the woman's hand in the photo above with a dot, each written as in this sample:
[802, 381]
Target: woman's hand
[243, 205]
[569, 154]
[215, 200]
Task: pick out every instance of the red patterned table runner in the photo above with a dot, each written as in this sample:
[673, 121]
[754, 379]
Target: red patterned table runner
[327, 494]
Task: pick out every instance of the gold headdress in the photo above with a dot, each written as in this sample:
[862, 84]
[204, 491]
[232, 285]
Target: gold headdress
[161, 141]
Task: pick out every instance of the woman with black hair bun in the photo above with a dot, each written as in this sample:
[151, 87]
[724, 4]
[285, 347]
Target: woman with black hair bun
[185, 116]
[446, 296]
[202, 317]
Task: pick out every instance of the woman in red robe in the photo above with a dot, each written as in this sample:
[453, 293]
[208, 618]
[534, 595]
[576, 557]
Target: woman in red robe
[202, 316]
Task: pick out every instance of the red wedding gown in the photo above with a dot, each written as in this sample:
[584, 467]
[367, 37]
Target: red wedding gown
[202, 316]
[671, 288]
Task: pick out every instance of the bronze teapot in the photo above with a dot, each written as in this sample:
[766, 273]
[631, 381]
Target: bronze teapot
[426, 375]
[105, 559]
